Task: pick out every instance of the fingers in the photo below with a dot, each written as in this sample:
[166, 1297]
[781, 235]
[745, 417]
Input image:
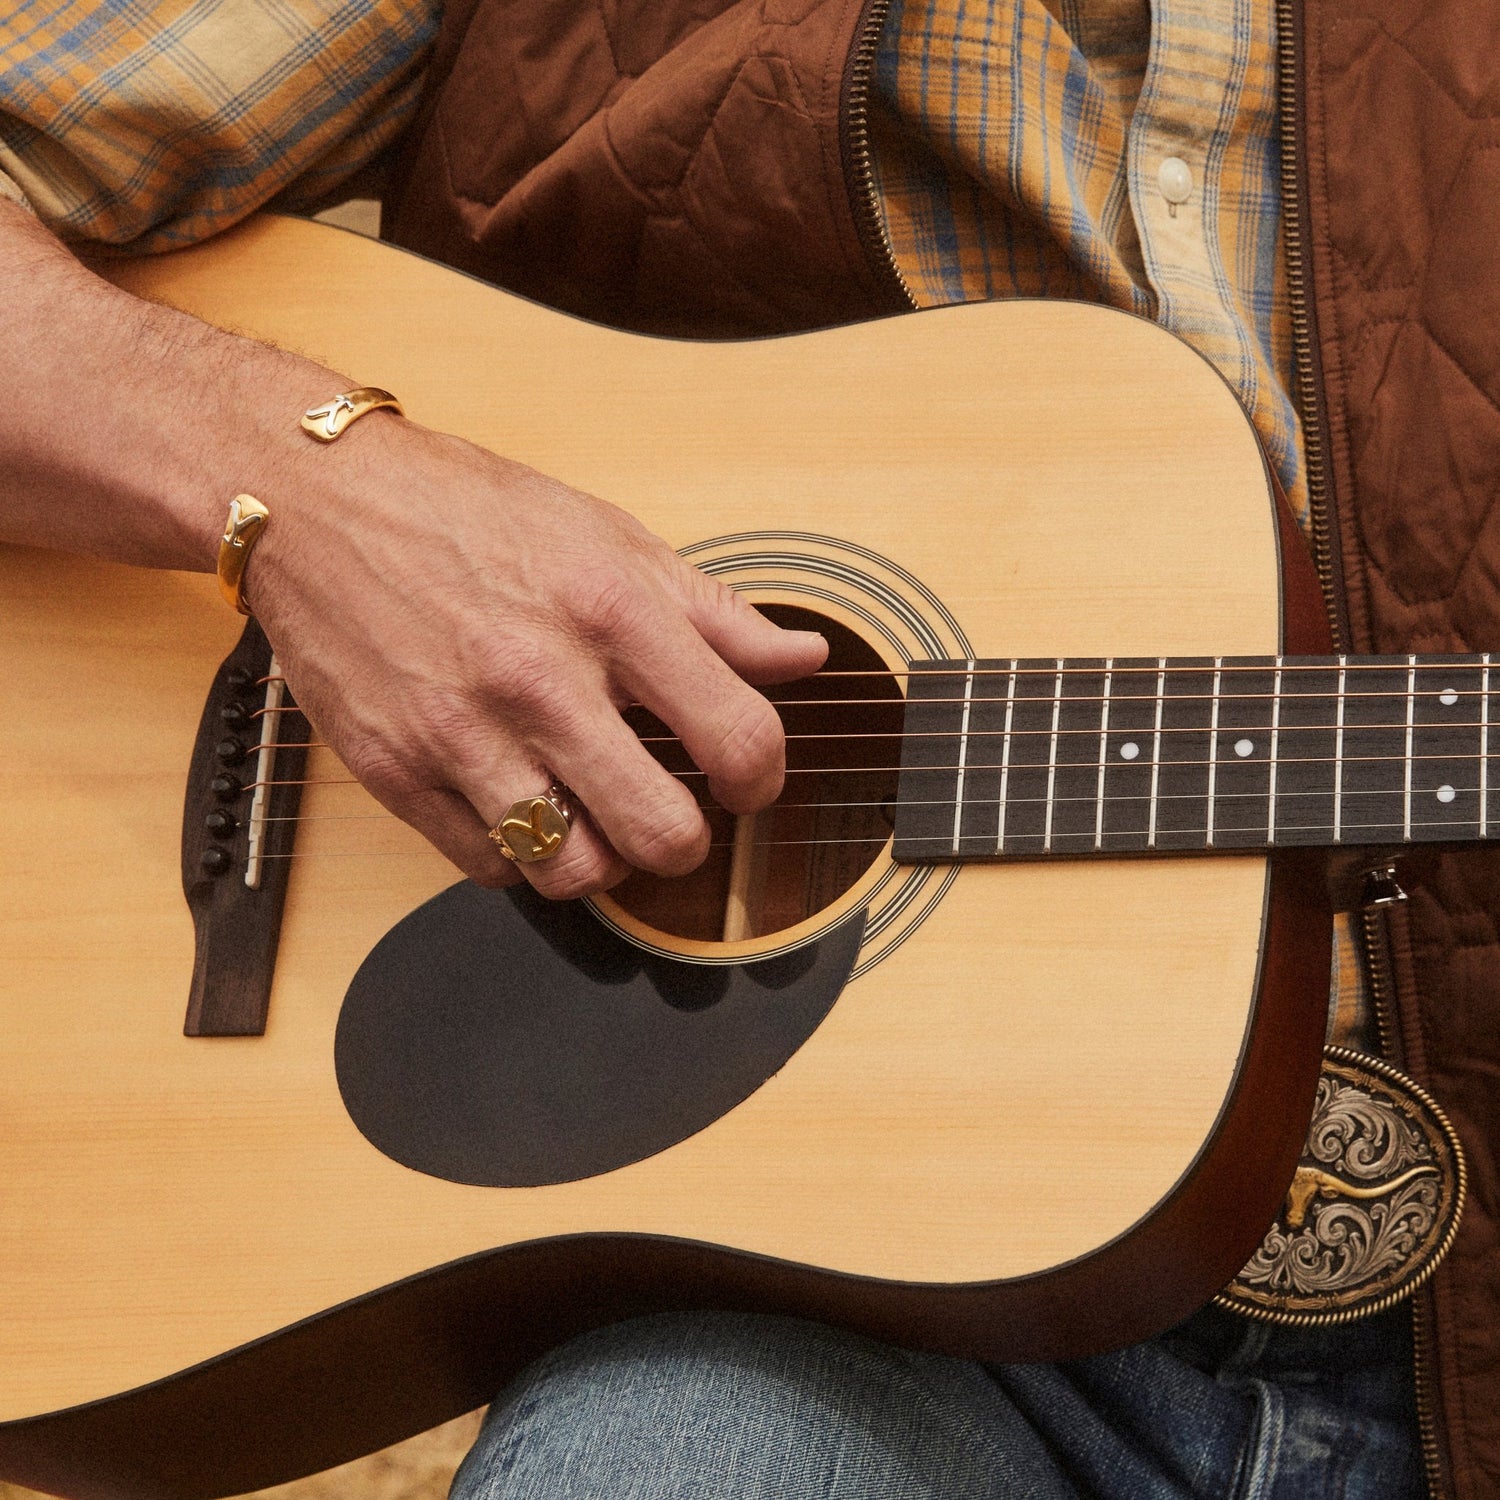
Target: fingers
[629, 811]
[731, 732]
[583, 864]
[753, 647]
[449, 822]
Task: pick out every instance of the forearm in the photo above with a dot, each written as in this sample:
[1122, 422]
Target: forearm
[128, 427]
[450, 680]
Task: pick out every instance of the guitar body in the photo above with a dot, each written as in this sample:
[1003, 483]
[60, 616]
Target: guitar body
[1052, 1109]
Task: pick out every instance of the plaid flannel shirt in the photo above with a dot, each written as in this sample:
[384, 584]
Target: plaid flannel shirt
[151, 124]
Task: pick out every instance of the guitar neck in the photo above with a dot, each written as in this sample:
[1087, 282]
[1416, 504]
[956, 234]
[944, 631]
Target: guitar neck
[1036, 757]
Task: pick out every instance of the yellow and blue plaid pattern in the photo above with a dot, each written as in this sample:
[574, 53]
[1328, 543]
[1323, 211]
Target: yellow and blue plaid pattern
[151, 124]
[1017, 147]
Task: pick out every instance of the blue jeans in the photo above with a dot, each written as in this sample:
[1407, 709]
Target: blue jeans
[728, 1407]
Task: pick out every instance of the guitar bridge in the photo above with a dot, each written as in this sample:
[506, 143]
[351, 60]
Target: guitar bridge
[238, 828]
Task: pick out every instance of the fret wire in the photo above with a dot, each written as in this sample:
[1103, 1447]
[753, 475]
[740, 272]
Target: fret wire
[1484, 747]
[963, 752]
[1338, 755]
[1213, 746]
[1109, 668]
[1052, 757]
[1275, 742]
[1010, 709]
[1161, 683]
[1411, 683]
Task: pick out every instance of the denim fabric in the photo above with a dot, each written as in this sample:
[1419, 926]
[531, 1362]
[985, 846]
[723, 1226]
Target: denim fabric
[728, 1407]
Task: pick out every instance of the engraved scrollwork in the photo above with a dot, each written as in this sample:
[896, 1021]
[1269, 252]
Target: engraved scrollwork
[1371, 1209]
[1345, 1243]
[1362, 1134]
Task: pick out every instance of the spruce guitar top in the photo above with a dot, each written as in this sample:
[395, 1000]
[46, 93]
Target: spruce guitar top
[304, 1146]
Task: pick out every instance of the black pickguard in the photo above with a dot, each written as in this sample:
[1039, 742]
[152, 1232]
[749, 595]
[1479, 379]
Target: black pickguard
[502, 1040]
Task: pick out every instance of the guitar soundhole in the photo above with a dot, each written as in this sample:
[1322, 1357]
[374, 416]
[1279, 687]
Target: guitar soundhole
[772, 871]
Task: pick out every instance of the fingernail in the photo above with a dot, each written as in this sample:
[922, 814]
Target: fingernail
[807, 635]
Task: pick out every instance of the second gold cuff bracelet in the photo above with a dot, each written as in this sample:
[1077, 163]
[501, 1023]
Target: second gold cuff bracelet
[248, 517]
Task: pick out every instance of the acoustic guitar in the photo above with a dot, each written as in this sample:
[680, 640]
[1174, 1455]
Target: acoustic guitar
[998, 1034]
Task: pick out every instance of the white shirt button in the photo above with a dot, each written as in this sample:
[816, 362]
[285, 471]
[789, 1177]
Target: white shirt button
[1175, 179]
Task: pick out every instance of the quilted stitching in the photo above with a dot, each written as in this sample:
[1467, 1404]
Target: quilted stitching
[1406, 236]
[673, 168]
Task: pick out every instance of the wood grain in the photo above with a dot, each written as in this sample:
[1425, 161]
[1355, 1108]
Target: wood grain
[1015, 1089]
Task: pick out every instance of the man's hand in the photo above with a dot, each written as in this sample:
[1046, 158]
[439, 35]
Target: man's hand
[460, 629]
[463, 630]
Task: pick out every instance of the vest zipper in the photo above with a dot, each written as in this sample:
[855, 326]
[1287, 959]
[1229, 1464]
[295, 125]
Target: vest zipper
[1375, 930]
[1307, 378]
[1306, 365]
[859, 71]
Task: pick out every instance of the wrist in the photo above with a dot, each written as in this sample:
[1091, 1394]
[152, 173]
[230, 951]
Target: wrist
[137, 424]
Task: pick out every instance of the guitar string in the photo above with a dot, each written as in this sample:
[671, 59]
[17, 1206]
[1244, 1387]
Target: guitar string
[958, 666]
[713, 809]
[1091, 730]
[1204, 698]
[969, 765]
[946, 840]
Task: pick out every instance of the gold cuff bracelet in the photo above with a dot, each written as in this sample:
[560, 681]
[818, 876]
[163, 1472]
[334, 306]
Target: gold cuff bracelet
[247, 519]
[333, 418]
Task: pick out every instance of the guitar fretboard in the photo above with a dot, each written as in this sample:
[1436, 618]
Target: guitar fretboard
[1033, 757]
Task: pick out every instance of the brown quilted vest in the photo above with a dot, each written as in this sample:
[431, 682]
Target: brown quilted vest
[692, 166]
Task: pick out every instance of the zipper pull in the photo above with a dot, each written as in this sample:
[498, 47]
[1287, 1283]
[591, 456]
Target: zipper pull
[1381, 888]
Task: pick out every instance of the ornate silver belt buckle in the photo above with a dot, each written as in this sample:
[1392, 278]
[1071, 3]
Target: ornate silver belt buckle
[1373, 1207]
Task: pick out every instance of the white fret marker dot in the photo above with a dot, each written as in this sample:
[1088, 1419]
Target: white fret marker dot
[1242, 748]
[1445, 794]
[1129, 750]
[1448, 698]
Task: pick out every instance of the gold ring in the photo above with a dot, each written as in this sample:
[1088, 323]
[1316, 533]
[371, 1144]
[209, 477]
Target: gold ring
[535, 827]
